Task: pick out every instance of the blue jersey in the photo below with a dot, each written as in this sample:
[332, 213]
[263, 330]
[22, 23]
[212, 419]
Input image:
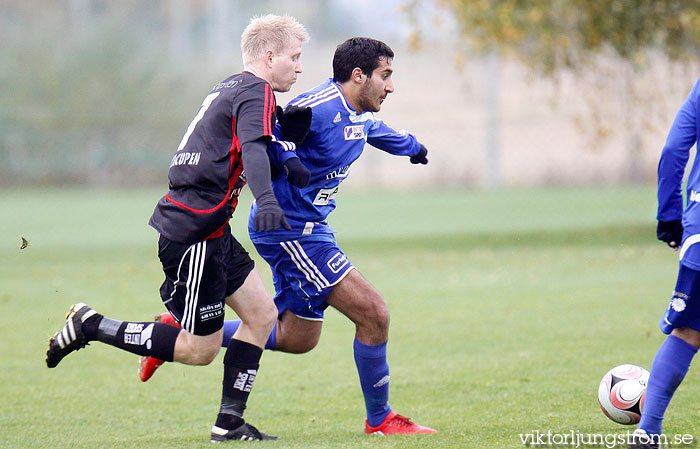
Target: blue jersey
[336, 139]
[681, 138]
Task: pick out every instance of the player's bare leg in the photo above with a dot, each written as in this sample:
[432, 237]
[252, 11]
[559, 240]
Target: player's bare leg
[255, 314]
[357, 299]
[253, 304]
[197, 350]
[688, 335]
[294, 335]
[297, 335]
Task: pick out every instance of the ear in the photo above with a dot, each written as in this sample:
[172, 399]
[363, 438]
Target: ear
[268, 58]
[357, 75]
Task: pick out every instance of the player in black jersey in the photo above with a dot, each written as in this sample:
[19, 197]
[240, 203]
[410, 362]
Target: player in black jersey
[204, 265]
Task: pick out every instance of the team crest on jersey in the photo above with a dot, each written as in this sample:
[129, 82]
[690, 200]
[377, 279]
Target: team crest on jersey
[677, 304]
[354, 132]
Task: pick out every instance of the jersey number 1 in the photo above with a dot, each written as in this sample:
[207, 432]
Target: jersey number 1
[202, 109]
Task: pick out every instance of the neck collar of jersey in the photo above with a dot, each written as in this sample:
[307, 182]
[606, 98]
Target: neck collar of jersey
[354, 117]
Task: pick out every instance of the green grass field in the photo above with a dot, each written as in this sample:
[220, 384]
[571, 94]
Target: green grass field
[507, 309]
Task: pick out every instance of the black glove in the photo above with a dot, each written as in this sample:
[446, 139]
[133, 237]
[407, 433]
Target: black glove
[295, 122]
[670, 232]
[297, 173]
[269, 217]
[420, 158]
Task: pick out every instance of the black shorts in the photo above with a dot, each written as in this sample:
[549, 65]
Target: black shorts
[199, 277]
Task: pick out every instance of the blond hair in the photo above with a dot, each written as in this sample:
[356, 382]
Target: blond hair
[270, 32]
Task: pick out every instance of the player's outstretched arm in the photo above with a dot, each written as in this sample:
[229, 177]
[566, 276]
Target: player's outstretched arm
[270, 216]
[399, 143]
[421, 157]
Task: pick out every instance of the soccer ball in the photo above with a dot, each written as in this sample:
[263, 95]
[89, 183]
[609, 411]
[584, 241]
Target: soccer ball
[621, 393]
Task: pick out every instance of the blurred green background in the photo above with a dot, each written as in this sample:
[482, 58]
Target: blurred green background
[519, 265]
[506, 310]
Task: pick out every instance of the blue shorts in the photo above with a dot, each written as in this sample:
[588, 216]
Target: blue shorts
[304, 272]
[684, 308]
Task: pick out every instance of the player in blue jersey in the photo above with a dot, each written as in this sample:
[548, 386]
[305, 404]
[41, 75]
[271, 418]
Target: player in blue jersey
[204, 265]
[680, 229]
[310, 271]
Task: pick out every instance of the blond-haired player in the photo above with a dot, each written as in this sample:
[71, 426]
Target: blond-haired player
[205, 267]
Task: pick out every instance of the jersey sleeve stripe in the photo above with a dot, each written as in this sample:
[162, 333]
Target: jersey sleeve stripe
[322, 100]
[267, 110]
[316, 96]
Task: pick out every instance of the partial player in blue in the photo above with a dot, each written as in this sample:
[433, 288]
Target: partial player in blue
[680, 229]
[310, 271]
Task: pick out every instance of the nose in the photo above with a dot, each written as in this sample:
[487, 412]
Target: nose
[298, 67]
[389, 86]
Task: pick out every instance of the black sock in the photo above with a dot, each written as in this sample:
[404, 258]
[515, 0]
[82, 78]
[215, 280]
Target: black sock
[152, 338]
[241, 363]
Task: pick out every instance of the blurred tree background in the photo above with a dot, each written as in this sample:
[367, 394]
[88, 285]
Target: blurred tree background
[572, 34]
[503, 92]
[606, 45]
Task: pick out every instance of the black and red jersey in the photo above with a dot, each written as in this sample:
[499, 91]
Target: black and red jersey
[206, 172]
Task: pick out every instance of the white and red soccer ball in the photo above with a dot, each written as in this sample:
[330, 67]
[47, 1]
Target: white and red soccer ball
[621, 393]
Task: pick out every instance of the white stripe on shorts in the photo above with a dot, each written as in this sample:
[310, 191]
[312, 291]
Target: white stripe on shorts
[306, 258]
[198, 252]
[301, 265]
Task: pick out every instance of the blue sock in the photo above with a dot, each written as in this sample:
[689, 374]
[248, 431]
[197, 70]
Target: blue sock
[374, 379]
[667, 372]
[231, 326]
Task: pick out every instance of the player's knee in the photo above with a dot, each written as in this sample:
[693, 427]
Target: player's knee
[383, 320]
[378, 313]
[201, 354]
[204, 356]
[271, 316]
[304, 344]
[264, 319]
